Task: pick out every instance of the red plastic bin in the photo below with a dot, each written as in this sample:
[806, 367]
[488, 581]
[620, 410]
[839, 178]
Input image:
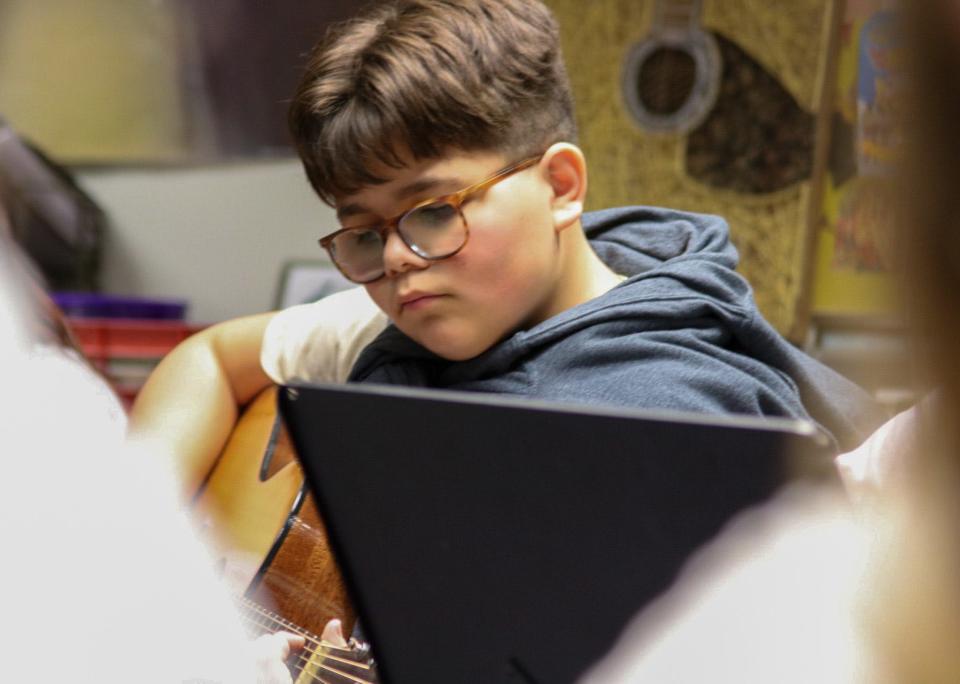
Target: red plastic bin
[106, 338]
[127, 350]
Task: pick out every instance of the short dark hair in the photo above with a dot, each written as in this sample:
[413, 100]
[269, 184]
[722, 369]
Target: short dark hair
[422, 77]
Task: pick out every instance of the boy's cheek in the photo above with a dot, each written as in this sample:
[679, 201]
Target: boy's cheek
[379, 293]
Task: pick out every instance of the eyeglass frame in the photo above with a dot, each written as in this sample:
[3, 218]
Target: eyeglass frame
[455, 199]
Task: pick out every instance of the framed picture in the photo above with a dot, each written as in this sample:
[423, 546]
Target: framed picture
[852, 276]
[302, 282]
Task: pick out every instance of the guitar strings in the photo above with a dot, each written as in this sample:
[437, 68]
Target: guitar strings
[272, 622]
[306, 662]
[313, 646]
[267, 618]
[339, 673]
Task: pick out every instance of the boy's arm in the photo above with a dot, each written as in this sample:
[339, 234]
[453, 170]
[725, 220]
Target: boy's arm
[190, 403]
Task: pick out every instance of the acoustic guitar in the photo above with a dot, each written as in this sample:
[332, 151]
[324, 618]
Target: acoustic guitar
[271, 546]
[672, 77]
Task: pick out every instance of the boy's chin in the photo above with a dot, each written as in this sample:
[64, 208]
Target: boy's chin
[461, 356]
[453, 349]
[455, 352]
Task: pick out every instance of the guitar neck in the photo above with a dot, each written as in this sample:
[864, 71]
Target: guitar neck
[319, 661]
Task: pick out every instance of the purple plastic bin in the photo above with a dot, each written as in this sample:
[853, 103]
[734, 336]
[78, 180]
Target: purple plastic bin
[93, 305]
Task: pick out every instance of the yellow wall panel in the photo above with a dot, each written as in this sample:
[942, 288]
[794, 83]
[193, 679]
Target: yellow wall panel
[92, 80]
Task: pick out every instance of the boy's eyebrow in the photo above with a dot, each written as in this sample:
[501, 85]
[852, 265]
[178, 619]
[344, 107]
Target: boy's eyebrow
[423, 184]
[416, 187]
[349, 210]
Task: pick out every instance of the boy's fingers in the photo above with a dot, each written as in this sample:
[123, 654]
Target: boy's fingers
[293, 642]
[333, 633]
[270, 651]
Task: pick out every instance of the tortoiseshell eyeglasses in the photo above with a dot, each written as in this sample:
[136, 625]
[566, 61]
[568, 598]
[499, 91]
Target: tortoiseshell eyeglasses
[433, 229]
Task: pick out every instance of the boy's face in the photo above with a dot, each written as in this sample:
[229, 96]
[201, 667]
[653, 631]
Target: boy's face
[504, 278]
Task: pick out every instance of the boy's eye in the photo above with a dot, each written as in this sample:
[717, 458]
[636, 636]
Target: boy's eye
[362, 238]
[432, 216]
[365, 237]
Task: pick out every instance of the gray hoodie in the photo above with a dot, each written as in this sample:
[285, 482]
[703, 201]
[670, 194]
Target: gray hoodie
[681, 333]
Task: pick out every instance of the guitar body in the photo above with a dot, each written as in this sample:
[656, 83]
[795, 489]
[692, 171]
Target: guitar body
[671, 78]
[270, 542]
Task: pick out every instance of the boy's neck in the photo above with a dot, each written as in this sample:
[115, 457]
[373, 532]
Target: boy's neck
[582, 277]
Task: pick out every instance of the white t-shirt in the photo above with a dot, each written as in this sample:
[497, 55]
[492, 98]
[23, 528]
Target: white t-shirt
[320, 341]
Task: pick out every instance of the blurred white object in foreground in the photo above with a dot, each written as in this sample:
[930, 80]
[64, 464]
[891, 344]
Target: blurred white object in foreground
[103, 580]
[777, 597]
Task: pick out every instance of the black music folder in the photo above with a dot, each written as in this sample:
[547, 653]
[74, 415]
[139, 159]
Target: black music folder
[495, 539]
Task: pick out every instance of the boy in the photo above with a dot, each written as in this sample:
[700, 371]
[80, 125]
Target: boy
[443, 133]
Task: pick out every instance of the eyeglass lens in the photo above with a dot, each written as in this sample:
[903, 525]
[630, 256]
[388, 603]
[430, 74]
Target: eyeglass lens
[432, 231]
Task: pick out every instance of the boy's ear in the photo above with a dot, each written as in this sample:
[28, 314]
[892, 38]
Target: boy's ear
[566, 171]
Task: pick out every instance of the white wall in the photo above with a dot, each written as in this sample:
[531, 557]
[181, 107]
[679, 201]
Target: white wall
[217, 236]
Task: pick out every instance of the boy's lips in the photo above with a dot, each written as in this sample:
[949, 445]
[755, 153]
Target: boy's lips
[412, 301]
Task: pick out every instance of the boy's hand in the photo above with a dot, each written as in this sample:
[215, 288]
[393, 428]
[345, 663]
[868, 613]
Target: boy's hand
[333, 635]
[270, 653]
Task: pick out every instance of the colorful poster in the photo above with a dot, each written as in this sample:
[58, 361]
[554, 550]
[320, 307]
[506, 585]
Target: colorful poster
[853, 242]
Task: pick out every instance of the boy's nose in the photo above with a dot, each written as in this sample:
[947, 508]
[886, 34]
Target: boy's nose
[398, 258]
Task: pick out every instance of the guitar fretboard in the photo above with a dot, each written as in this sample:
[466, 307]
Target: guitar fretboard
[677, 14]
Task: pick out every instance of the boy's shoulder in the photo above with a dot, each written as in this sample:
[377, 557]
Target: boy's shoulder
[643, 216]
[635, 239]
[320, 341]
